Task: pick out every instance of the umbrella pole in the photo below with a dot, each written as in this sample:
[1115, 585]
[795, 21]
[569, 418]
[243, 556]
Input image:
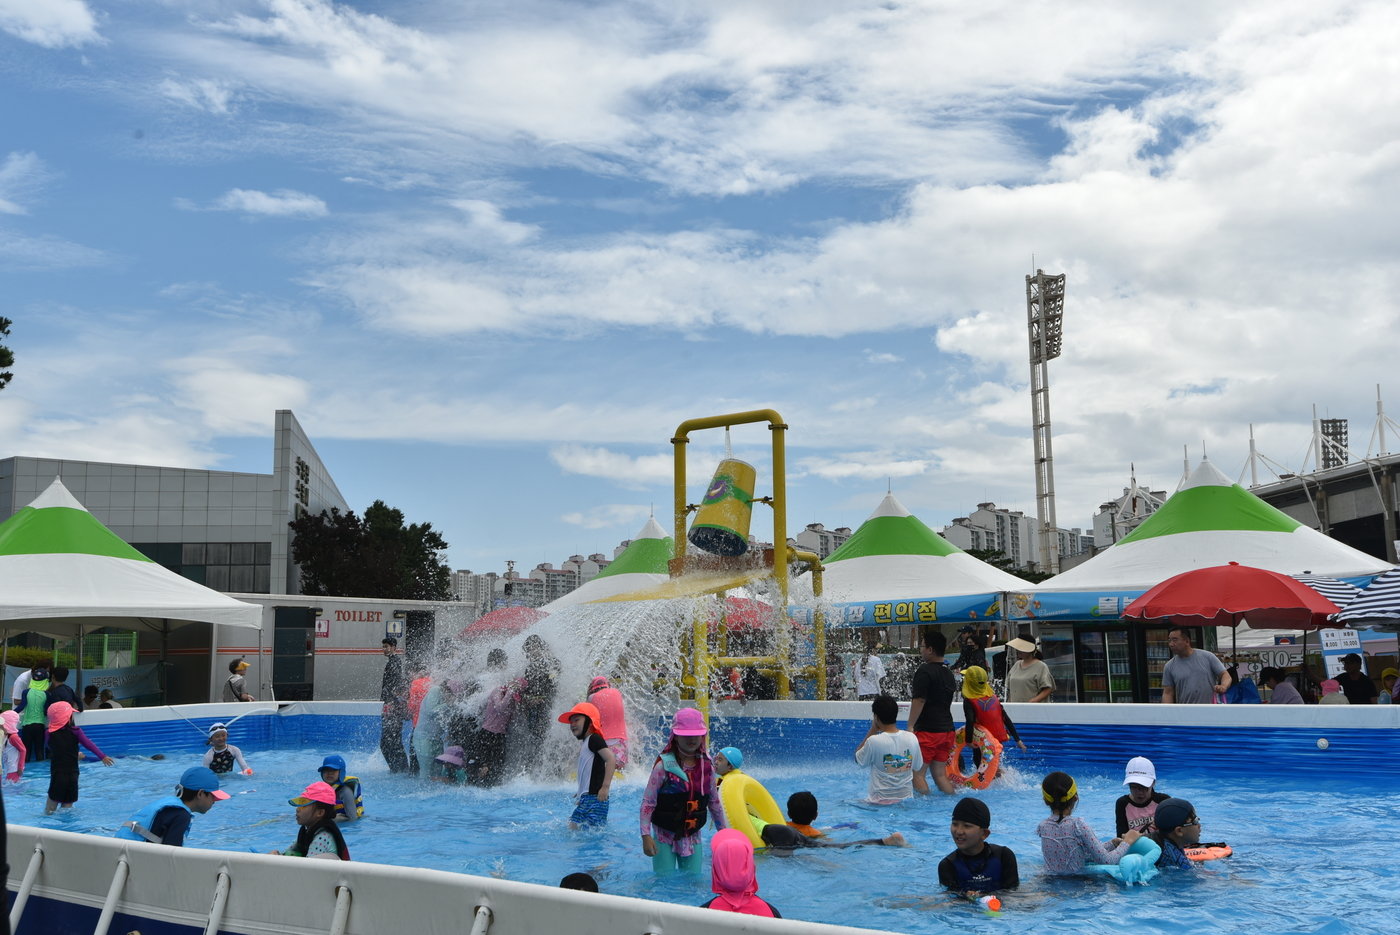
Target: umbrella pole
[79, 660]
[4, 654]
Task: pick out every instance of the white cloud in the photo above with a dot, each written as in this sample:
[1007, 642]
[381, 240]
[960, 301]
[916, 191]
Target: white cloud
[204, 94]
[608, 515]
[232, 400]
[864, 466]
[45, 252]
[50, 23]
[21, 174]
[627, 470]
[881, 357]
[283, 203]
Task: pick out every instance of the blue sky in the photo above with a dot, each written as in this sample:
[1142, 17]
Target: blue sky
[493, 253]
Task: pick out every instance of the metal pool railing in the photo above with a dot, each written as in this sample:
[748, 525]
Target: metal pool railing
[67, 882]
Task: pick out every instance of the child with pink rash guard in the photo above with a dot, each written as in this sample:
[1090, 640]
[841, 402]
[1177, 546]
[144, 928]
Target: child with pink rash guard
[733, 878]
[15, 750]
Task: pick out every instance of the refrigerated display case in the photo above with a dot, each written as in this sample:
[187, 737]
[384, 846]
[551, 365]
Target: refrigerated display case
[1057, 646]
[1105, 659]
[1155, 645]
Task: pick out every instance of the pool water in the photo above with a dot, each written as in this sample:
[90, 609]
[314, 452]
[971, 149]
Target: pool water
[1307, 859]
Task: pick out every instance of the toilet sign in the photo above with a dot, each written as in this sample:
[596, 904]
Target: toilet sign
[323, 628]
[393, 628]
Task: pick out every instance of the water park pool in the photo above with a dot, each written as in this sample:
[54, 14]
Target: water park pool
[1309, 856]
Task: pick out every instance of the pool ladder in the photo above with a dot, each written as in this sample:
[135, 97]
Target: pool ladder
[340, 918]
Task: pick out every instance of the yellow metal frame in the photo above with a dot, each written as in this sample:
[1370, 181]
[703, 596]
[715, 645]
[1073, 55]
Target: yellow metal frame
[703, 660]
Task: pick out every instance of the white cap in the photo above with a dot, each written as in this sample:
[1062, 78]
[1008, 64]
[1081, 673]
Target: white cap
[1141, 771]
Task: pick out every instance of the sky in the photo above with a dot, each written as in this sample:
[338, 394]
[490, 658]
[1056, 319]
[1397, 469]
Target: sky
[493, 253]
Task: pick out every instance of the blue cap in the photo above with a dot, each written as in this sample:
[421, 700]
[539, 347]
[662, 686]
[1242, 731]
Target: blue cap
[202, 779]
[335, 761]
[735, 758]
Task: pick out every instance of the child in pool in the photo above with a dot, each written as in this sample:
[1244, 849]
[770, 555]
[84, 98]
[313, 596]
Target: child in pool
[64, 737]
[802, 812]
[733, 878]
[221, 754]
[799, 833]
[679, 791]
[727, 760]
[1068, 843]
[13, 759]
[596, 765]
[1177, 829]
[349, 801]
[976, 868]
[1135, 810]
[319, 836]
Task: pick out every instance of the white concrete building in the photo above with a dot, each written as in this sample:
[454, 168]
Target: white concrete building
[1010, 532]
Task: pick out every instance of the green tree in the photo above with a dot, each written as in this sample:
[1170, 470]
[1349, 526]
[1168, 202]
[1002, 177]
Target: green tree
[997, 559]
[7, 356]
[341, 554]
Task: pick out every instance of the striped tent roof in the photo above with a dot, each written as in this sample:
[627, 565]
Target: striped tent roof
[59, 563]
[1377, 606]
[643, 564]
[895, 556]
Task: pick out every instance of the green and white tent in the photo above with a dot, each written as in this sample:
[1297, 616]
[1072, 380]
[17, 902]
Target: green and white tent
[1209, 521]
[896, 570]
[642, 565]
[62, 571]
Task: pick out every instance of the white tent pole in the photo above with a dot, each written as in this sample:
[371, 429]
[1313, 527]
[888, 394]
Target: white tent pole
[79, 665]
[4, 654]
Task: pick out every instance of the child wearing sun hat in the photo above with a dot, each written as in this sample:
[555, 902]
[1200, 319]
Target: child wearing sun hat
[64, 737]
[318, 835]
[679, 792]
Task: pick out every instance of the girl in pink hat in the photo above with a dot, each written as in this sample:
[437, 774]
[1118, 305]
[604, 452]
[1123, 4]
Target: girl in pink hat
[679, 792]
[318, 836]
[733, 878]
[64, 737]
[14, 747]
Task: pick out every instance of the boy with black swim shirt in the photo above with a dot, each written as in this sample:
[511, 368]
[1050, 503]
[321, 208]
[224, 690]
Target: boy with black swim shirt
[976, 868]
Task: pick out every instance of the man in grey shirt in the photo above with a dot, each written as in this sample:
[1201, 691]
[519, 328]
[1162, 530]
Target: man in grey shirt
[1191, 676]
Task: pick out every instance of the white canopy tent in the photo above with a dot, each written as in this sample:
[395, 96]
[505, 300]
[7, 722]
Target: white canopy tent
[63, 573]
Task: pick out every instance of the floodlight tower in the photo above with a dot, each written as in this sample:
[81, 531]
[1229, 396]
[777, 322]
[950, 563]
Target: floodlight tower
[1045, 304]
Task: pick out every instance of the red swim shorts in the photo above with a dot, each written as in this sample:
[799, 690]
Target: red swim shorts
[936, 748]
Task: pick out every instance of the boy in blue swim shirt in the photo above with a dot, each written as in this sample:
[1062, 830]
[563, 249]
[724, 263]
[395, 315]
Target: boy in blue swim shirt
[976, 868]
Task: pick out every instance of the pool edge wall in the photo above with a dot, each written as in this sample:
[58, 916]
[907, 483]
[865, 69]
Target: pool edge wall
[1331, 741]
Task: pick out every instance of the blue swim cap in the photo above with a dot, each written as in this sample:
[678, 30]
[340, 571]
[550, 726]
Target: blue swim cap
[735, 758]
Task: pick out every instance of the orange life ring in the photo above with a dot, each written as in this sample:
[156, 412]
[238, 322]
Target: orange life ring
[1209, 851]
[988, 746]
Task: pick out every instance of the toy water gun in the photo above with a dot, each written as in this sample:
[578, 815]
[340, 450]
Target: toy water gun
[988, 903]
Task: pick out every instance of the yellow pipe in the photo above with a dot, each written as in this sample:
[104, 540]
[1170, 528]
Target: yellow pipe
[779, 504]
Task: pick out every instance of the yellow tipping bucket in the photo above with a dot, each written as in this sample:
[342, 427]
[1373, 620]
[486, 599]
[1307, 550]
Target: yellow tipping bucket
[721, 524]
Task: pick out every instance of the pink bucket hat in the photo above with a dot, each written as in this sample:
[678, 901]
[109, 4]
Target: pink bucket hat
[11, 721]
[689, 723]
[1328, 686]
[316, 792]
[60, 713]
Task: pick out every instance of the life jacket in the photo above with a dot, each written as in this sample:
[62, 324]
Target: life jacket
[678, 809]
[989, 717]
[139, 827]
[36, 700]
[353, 783]
[981, 874]
[341, 848]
